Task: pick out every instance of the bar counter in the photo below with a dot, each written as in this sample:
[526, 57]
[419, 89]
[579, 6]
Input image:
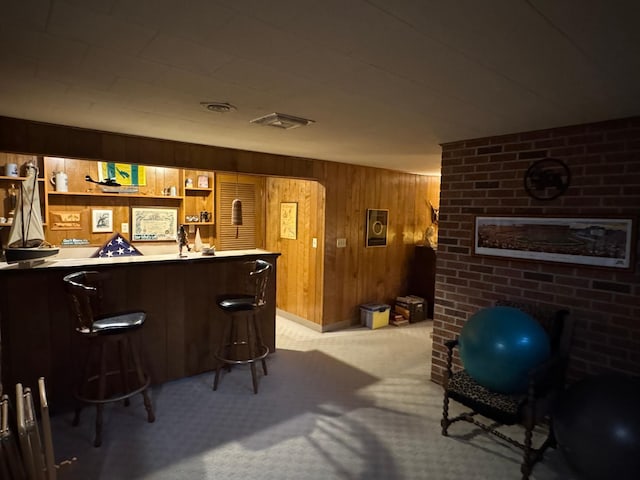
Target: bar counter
[182, 327]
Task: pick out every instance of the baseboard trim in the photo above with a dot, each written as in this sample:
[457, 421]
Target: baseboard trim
[314, 326]
[300, 320]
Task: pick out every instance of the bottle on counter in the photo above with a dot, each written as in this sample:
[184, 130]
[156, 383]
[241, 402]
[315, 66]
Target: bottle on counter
[197, 243]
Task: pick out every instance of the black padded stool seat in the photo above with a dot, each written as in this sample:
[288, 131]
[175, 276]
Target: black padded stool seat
[104, 363]
[120, 323]
[236, 303]
[242, 341]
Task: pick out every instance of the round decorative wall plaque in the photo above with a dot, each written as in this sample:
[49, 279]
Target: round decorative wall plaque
[547, 179]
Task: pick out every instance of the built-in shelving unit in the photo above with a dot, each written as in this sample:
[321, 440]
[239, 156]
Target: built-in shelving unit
[198, 200]
[69, 214]
[7, 181]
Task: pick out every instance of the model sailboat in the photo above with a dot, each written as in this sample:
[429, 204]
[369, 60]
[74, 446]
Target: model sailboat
[26, 237]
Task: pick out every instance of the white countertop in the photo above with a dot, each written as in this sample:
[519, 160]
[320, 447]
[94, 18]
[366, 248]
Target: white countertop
[54, 262]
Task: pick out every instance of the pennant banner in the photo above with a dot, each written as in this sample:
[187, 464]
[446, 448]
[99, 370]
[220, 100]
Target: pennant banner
[123, 173]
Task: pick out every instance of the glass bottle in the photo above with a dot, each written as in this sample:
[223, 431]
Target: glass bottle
[13, 199]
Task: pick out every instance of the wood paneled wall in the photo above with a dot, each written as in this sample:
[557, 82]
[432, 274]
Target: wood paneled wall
[300, 267]
[356, 274]
[25, 136]
[350, 276]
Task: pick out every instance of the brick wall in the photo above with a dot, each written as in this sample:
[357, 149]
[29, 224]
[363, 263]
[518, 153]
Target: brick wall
[485, 177]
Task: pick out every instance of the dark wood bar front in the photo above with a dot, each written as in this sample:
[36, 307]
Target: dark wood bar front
[182, 327]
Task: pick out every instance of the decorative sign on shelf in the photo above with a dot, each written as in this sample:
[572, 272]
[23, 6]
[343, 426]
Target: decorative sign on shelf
[65, 220]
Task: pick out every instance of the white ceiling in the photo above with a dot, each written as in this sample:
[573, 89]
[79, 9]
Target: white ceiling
[386, 81]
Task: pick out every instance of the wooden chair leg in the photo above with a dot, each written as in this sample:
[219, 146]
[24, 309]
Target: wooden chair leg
[444, 423]
[527, 460]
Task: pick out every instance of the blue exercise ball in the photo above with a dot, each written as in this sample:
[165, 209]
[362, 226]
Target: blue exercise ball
[499, 345]
[597, 426]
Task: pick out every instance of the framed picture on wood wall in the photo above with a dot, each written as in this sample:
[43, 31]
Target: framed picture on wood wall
[101, 220]
[289, 220]
[377, 221]
[154, 224]
[599, 242]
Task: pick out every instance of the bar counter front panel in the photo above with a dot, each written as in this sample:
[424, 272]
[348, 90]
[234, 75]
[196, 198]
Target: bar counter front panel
[179, 295]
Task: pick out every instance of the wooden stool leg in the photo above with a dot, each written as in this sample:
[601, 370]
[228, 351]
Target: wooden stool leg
[98, 439]
[86, 373]
[251, 344]
[226, 339]
[124, 367]
[102, 391]
[256, 323]
[76, 414]
[142, 379]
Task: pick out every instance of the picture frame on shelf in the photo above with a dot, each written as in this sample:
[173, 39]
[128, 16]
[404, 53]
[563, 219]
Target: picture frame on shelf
[596, 242]
[203, 181]
[101, 220]
[154, 224]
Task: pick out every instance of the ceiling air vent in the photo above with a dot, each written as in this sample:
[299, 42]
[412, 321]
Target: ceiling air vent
[218, 107]
[281, 120]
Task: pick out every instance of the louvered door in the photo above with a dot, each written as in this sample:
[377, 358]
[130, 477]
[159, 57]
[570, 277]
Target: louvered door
[232, 237]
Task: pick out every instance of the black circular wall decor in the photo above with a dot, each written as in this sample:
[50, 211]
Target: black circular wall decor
[547, 179]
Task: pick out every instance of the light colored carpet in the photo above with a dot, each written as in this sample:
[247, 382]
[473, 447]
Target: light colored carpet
[354, 404]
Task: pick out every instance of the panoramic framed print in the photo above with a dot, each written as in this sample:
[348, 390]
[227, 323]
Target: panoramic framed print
[599, 242]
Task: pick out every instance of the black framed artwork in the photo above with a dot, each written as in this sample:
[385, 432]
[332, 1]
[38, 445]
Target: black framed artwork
[377, 221]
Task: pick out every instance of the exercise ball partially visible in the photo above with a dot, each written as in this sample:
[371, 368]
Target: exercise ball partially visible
[499, 345]
[597, 427]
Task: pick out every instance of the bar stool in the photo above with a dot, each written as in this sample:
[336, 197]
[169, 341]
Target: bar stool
[242, 337]
[103, 332]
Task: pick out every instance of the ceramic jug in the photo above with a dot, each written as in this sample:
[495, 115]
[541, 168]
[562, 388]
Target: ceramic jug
[11, 170]
[60, 181]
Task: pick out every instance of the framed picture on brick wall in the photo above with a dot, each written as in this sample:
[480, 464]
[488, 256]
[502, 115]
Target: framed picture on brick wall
[598, 242]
